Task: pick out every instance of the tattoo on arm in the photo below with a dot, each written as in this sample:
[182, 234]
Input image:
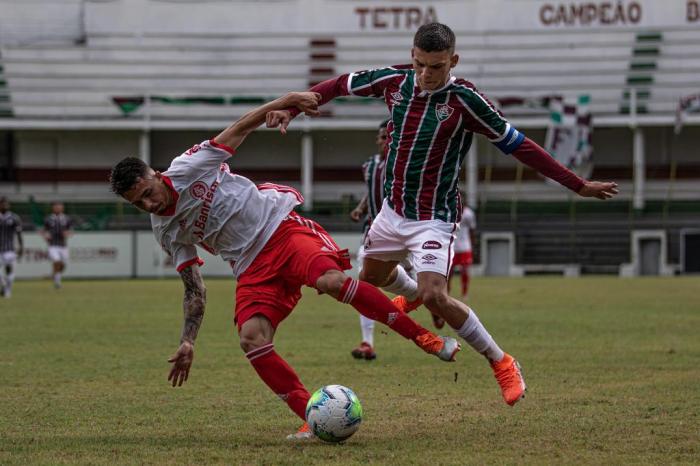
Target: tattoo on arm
[193, 303]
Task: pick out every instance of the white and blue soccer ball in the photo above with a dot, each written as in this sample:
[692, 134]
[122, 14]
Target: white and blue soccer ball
[334, 413]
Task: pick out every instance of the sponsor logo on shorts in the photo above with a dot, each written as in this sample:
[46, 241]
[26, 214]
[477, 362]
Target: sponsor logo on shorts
[432, 245]
[198, 190]
[428, 259]
[391, 318]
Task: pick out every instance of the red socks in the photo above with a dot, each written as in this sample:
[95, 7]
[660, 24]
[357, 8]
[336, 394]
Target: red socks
[464, 276]
[280, 377]
[374, 304]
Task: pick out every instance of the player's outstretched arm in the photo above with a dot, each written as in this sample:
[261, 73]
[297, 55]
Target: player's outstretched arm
[193, 305]
[599, 189]
[234, 135]
[534, 156]
[327, 90]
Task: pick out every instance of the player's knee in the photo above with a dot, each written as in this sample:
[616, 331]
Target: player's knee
[434, 298]
[253, 336]
[331, 282]
[252, 341]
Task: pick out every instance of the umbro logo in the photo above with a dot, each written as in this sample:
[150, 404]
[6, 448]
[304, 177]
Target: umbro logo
[428, 259]
[397, 97]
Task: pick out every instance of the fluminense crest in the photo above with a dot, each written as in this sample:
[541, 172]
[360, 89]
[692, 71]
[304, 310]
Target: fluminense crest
[443, 111]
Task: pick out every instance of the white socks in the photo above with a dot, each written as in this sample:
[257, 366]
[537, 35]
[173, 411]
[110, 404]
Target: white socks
[8, 284]
[57, 280]
[367, 325]
[478, 338]
[403, 285]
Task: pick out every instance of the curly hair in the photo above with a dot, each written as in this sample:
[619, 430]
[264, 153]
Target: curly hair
[434, 37]
[125, 174]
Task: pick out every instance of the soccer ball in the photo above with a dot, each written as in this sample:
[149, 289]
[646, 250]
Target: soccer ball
[334, 413]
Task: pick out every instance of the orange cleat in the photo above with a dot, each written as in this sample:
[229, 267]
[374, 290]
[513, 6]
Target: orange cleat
[403, 304]
[304, 433]
[438, 321]
[444, 348]
[510, 378]
[364, 351]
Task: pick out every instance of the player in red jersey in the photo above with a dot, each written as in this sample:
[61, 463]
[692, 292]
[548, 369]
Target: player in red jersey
[434, 116]
[272, 251]
[464, 243]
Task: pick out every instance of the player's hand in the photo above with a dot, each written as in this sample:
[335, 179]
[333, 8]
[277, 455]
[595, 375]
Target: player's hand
[182, 360]
[278, 119]
[599, 189]
[356, 215]
[307, 102]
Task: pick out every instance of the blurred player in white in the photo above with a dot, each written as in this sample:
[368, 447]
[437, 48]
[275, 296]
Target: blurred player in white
[466, 235]
[368, 208]
[10, 227]
[272, 250]
[57, 228]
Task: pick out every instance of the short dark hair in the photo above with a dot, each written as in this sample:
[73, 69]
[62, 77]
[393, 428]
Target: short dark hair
[434, 37]
[125, 174]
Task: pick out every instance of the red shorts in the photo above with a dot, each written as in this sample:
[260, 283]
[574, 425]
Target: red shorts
[463, 258]
[297, 254]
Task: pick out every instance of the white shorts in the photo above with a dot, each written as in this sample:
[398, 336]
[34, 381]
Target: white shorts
[7, 258]
[405, 263]
[426, 243]
[58, 254]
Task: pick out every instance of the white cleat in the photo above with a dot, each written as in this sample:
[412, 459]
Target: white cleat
[450, 349]
[304, 433]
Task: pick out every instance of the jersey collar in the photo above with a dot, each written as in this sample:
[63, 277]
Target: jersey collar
[170, 210]
[425, 93]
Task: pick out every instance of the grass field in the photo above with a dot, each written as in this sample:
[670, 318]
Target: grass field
[613, 368]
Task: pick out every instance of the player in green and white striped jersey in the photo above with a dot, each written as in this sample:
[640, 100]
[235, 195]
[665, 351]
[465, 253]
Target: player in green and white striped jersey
[434, 116]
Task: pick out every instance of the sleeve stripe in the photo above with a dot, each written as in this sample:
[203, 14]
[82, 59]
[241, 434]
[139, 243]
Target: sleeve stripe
[364, 86]
[350, 83]
[471, 112]
[221, 146]
[188, 263]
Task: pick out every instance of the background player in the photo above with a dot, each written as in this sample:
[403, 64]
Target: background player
[272, 252]
[368, 208]
[433, 118]
[57, 228]
[10, 226]
[464, 241]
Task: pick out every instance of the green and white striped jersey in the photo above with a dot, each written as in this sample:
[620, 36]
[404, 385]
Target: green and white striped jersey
[429, 135]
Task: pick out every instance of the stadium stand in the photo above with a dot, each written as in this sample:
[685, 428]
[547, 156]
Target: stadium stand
[73, 81]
